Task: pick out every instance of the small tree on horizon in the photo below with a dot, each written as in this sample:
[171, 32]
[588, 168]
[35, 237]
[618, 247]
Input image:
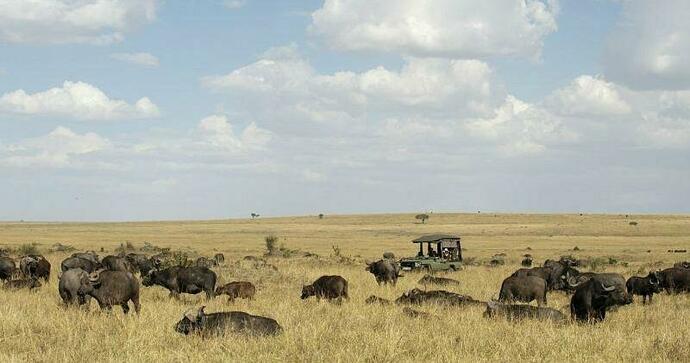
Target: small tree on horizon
[422, 217]
[255, 215]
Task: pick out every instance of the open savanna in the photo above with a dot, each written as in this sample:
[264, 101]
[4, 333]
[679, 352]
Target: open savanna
[36, 327]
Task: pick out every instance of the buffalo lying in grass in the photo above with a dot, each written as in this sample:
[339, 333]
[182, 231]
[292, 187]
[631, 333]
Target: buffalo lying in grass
[214, 324]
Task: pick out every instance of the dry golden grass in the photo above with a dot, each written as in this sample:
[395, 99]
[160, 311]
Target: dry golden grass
[36, 327]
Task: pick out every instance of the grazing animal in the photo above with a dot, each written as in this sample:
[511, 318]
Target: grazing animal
[326, 287]
[645, 286]
[377, 300]
[675, 280]
[30, 283]
[79, 262]
[116, 263]
[70, 283]
[219, 258]
[215, 324]
[519, 312]
[88, 255]
[385, 271]
[178, 280]
[429, 280]
[35, 266]
[7, 268]
[561, 271]
[683, 264]
[113, 288]
[441, 297]
[593, 297]
[139, 263]
[523, 289]
[527, 262]
[237, 289]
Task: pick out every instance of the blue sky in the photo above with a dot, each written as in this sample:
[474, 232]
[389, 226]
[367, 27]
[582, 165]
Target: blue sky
[146, 110]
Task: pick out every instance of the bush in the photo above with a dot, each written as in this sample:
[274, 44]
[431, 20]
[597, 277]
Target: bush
[271, 245]
[59, 247]
[28, 249]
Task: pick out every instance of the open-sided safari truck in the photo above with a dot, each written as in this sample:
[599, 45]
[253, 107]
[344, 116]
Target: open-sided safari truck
[443, 252]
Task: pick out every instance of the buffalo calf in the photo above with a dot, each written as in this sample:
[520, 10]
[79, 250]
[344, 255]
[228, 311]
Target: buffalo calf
[327, 287]
[237, 290]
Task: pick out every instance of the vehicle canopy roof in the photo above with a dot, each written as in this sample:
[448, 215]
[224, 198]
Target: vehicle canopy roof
[435, 238]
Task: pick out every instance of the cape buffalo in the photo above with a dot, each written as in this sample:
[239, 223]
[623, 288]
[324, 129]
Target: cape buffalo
[35, 266]
[429, 280]
[188, 280]
[326, 287]
[88, 255]
[79, 262]
[237, 289]
[113, 288]
[683, 264]
[675, 280]
[385, 271]
[645, 286]
[519, 312]
[197, 321]
[116, 263]
[523, 289]
[30, 283]
[7, 268]
[593, 297]
[139, 263]
[219, 258]
[70, 282]
[441, 297]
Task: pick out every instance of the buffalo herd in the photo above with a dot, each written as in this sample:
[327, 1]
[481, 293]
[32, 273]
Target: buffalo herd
[112, 281]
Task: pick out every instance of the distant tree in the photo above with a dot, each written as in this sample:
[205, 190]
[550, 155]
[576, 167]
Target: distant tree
[255, 215]
[422, 217]
[321, 216]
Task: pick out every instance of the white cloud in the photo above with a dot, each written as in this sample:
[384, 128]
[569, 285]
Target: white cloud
[142, 59]
[587, 95]
[72, 21]
[439, 28]
[57, 149]
[522, 128]
[76, 99]
[650, 47]
[422, 86]
[217, 132]
[234, 4]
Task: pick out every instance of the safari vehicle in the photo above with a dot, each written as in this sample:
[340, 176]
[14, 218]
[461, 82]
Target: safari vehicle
[443, 253]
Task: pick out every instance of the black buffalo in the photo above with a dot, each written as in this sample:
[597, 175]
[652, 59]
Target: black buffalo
[519, 312]
[441, 297]
[523, 289]
[116, 263]
[87, 265]
[35, 266]
[88, 255]
[645, 286]
[593, 297]
[178, 280]
[219, 258]
[327, 287]
[675, 280]
[7, 268]
[197, 321]
[385, 271]
[682, 264]
[70, 283]
[139, 262]
[113, 288]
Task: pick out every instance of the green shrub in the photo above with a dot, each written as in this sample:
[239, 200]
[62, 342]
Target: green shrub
[271, 245]
[28, 249]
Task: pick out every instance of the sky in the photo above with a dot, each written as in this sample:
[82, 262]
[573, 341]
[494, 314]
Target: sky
[115, 110]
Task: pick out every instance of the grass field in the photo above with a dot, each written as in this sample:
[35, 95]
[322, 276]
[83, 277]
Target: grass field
[36, 327]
